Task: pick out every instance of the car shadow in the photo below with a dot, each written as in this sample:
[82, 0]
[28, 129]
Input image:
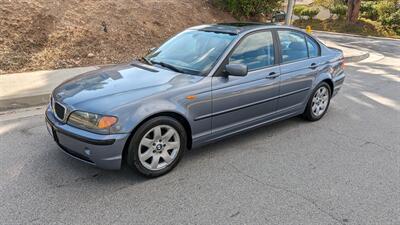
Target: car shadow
[266, 132]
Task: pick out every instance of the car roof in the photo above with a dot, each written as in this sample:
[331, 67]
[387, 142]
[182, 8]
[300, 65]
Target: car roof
[235, 28]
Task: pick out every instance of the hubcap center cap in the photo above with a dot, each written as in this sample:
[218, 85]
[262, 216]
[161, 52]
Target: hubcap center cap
[159, 147]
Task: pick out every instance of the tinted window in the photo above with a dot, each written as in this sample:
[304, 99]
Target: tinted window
[313, 49]
[255, 50]
[293, 46]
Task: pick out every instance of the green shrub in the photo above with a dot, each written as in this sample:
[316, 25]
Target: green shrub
[310, 12]
[385, 8]
[249, 8]
[368, 10]
[297, 10]
[329, 3]
[339, 10]
[393, 21]
[388, 15]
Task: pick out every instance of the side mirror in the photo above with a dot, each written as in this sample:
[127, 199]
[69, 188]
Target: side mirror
[236, 69]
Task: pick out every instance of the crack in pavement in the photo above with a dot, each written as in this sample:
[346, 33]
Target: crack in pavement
[293, 193]
[365, 141]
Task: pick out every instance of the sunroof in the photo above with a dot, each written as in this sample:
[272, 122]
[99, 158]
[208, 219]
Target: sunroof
[244, 24]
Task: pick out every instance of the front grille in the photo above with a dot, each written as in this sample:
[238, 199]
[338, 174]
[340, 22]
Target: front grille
[59, 110]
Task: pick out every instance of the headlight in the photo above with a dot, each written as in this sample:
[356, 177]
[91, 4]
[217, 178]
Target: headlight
[91, 121]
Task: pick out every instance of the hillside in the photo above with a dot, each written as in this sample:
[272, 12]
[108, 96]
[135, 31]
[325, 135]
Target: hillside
[48, 34]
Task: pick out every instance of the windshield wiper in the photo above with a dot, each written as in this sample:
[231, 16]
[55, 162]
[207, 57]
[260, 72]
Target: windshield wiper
[146, 60]
[169, 66]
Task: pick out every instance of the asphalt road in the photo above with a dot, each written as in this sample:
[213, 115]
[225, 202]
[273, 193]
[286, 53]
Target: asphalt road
[343, 169]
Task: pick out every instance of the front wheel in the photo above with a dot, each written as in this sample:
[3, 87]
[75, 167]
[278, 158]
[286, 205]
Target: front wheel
[318, 103]
[157, 146]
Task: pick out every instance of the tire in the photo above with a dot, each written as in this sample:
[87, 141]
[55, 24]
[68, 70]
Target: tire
[152, 136]
[318, 100]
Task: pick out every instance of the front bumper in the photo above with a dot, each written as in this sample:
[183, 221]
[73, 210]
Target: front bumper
[104, 151]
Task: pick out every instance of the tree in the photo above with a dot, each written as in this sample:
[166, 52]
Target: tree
[249, 8]
[310, 12]
[339, 10]
[353, 10]
[298, 9]
[325, 3]
[329, 3]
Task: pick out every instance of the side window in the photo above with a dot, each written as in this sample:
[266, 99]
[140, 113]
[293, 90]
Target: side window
[256, 51]
[313, 47]
[293, 46]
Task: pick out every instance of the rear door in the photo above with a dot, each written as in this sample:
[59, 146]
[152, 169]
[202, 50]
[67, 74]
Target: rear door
[299, 67]
[239, 102]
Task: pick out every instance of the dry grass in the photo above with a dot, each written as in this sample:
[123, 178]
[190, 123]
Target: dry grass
[48, 34]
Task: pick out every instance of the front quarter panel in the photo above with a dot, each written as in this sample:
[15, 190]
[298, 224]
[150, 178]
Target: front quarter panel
[174, 101]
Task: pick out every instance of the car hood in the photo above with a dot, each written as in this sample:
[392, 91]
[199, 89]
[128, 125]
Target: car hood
[119, 84]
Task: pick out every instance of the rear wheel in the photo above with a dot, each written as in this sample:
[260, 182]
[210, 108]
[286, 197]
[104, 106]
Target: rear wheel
[157, 146]
[318, 103]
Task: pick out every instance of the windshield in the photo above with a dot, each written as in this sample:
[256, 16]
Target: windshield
[193, 52]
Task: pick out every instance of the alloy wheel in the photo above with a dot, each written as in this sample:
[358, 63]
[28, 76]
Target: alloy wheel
[159, 147]
[320, 101]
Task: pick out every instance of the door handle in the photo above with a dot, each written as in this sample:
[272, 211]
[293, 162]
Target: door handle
[313, 66]
[272, 75]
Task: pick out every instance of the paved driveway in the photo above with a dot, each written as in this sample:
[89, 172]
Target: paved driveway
[344, 169]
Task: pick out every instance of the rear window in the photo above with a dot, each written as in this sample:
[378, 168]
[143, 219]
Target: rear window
[293, 46]
[313, 47]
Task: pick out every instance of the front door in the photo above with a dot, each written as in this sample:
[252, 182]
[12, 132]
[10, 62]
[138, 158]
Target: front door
[239, 102]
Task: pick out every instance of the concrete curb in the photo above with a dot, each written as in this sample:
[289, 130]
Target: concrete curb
[24, 102]
[22, 90]
[360, 55]
[356, 58]
[356, 35]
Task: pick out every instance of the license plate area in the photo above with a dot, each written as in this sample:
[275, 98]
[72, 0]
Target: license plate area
[49, 128]
[52, 131]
